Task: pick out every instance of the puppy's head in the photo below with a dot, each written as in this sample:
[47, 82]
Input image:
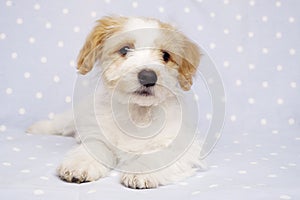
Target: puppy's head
[142, 59]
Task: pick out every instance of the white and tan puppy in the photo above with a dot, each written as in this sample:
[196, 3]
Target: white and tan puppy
[131, 121]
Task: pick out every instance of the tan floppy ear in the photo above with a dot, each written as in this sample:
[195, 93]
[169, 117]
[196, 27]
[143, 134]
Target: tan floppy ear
[92, 48]
[189, 64]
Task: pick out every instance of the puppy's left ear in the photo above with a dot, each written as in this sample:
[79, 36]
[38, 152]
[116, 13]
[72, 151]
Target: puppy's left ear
[190, 61]
[92, 48]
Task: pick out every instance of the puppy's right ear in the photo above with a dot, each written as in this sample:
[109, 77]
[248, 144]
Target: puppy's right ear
[93, 46]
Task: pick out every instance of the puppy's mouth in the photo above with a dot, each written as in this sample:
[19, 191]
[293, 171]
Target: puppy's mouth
[145, 91]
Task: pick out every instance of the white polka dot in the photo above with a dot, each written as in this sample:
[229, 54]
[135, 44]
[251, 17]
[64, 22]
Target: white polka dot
[247, 187]
[242, 172]
[60, 43]
[134, 4]
[68, 99]
[212, 14]
[19, 21]
[7, 164]
[9, 3]
[2, 36]
[196, 97]
[38, 95]
[38, 192]
[196, 192]
[72, 63]
[22, 111]
[265, 50]
[161, 9]
[38, 146]
[291, 121]
[14, 55]
[107, 1]
[251, 66]
[292, 52]
[76, 29]
[183, 183]
[226, 2]
[250, 34]
[238, 17]
[45, 178]
[212, 45]
[292, 164]
[226, 31]
[93, 14]
[213, 186]
[48, 25]
[285, 197]
[200, 27]
[9, 138]
[31, 40]
[44, 59]
[233, 118]
[2, 128]
[238, 82]
[279, 68]
[186, 9]
[291, 19]
[25, 171]
[9, 91]
[65, 11]
[253, 163]
[278, 35]
[16, 149]
[251, 100]
[56, 79]
[293, 84]
[264, 18]
[31, 158]
[239, 49]
[275, 131]
[37, 6]
[265, 84]
[27, 75]
[208, 116]
[226, 64]
[91, 191]
[263, 121]
[272, 176]
[279, 101]
[252, 3]
[277, 4]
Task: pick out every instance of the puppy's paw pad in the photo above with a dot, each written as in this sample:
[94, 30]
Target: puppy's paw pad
[139, 181]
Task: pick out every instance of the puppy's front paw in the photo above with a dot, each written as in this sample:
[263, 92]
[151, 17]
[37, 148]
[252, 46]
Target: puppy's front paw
[81, 170]
[139, 181]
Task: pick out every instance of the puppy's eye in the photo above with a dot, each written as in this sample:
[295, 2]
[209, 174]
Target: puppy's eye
[124, 50]
[166, 56]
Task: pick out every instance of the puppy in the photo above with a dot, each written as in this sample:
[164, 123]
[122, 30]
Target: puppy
[134, 121]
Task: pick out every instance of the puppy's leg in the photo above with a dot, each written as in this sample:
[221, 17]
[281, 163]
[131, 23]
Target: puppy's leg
[62, 124]
[80, 165]
[186, 166]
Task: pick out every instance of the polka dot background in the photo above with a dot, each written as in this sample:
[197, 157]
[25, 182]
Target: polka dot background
[255, 45]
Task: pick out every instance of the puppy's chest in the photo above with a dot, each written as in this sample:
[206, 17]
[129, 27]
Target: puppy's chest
[141, 129]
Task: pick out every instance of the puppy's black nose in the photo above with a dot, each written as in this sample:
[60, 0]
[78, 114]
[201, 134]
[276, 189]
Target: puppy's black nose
[147, 78]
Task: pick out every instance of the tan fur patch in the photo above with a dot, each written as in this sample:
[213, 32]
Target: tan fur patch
[91, 50]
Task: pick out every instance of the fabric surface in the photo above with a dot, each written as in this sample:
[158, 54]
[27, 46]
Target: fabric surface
[255, 46]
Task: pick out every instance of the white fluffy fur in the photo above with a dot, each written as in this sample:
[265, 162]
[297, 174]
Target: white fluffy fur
[120, 81]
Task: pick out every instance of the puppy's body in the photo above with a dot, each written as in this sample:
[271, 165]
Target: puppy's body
[145, 66]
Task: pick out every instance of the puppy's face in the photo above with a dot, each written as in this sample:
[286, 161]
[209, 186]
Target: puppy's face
[143, 61]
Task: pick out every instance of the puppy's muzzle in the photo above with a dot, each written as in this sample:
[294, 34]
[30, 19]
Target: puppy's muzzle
[147, 78]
